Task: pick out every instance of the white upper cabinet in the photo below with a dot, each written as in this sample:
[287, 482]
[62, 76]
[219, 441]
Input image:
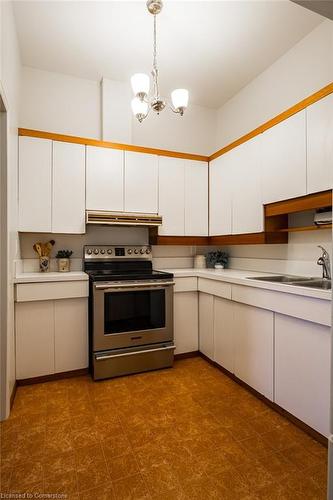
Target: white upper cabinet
[220, 194]
[247, 206]
[105, 179]
[196, 198]
[35, 184]
[320, 145]
[68, 199]
[141, 182]
[171, 196]
[283, 169]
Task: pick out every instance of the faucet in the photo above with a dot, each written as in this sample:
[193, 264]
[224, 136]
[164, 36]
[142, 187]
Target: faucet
[324, 261]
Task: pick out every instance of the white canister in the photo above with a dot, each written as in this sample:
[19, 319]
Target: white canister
[200, 262]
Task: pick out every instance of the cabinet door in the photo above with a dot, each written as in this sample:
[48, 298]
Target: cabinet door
[220, 194]
[283, 170]
[71, 334]
[105, 179]
[141, 182]
[206, 318]
[69, 183]
[34, 339]
[224, 333]
[35, 181]
[247, 206]
[196, 198]
[186, 321]
[302, 370]
[171, 196]
[253, 329]
[320, 145]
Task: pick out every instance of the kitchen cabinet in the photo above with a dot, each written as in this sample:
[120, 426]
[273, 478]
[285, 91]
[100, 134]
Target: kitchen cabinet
[105, 179]
[186, 322]
[283, 171]
[196, 198]
[51, 336]
[320, 145]
[141, 183]
[35, 184]
[302, 370]
[253, 330]
[220, 194]
[68, 188]
[171, 196]
[206, 324]
[247, 206]
[224, 333]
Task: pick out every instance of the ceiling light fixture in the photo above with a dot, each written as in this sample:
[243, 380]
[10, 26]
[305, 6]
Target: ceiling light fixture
[143, 102]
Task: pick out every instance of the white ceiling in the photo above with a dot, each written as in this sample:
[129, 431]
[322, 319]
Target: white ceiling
[212, 48]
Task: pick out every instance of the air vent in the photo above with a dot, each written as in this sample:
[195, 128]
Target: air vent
[122, 219]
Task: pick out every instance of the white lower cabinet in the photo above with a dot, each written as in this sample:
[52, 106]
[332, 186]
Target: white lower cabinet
[224, 333]
[51, 337]
[302, 370]
[254, 331]
[186, 322]
[206, 324]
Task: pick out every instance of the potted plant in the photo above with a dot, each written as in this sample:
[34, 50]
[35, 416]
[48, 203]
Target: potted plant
[217, 259]
[63, 257]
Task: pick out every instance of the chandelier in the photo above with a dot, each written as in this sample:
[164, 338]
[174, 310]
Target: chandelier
[144, 100]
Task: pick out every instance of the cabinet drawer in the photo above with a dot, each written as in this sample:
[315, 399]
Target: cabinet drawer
[189, 284]
[218, 288]
[28, 292]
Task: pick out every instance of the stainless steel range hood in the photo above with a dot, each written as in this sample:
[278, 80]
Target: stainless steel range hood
[122, 219]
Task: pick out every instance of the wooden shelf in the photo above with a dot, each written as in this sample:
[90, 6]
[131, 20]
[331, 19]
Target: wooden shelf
[304, 228]
[301, 204]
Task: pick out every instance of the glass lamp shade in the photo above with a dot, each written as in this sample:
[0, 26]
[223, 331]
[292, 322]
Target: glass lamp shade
[140, 84]
[179, 98]
[139, 108]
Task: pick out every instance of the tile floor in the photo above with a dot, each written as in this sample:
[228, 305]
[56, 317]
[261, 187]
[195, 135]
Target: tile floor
[184, 433]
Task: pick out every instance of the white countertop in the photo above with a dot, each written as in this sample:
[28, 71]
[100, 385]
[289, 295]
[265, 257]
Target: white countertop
[50, 276]
[240, 278]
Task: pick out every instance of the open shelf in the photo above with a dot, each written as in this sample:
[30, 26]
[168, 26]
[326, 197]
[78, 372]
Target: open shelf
[304, 228]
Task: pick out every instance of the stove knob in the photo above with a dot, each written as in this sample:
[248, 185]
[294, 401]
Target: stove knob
[103, 251]
[96, 251]
[136, 251]
[109, 251]
[148, 250]
[142, 250]
[129, 251]
[89, 251]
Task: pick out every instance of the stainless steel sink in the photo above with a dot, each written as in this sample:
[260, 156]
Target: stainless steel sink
[279, 279]
[322, 284]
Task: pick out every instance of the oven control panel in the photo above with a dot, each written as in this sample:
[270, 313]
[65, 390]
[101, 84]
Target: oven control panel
[117, 252]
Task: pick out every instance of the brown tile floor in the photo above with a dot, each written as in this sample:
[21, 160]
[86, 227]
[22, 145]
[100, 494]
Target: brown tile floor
[184, 433]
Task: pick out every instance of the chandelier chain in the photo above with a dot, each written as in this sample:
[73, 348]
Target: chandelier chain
[155, 71]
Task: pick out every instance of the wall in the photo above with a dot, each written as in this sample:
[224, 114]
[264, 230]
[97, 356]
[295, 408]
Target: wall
[303, 70]
[10, 83]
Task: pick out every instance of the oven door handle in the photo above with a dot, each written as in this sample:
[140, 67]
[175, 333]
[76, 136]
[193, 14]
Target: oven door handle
[112, 356]
[134, 285]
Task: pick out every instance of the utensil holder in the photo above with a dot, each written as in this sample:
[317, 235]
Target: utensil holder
[44, 264]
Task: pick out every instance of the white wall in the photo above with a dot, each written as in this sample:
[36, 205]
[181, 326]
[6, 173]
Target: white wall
[303, 70]
[10, 83]
[116, 111]
[60, 103]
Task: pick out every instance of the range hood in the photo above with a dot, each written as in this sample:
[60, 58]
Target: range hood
[122, 219]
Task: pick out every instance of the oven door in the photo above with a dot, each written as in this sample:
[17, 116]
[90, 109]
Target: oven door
[132, 314]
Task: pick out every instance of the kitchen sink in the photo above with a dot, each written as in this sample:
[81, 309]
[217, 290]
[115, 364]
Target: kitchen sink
[322, 284]
[279, 279]
[315, 283]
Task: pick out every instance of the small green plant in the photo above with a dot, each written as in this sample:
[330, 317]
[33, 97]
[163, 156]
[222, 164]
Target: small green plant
[64, 254]
[217, 257]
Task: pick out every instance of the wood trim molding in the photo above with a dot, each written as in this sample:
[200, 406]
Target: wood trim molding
[300, 204]
[112, 145]
[299, 423]
[12, 396]
[53, 376]
[320, 94]
[181, 240]
[186, 355]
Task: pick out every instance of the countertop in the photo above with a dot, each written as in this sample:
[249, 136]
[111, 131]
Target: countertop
[238, 277]
[50, 276]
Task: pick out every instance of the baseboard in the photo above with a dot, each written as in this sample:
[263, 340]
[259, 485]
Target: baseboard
[53, 376]
[12, 396]
[299, 423]
[185, 355]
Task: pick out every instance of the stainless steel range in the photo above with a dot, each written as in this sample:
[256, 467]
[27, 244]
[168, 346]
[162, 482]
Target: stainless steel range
[130, 312]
